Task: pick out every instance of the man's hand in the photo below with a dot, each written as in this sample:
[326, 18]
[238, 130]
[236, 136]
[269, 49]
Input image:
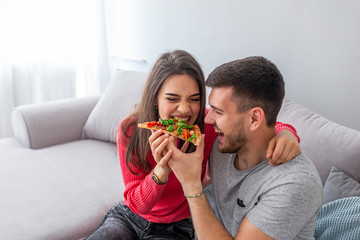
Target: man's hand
[282, 148]
[187, 167]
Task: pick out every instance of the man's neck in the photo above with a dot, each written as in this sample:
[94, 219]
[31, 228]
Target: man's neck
[248, 159]
[254, 152]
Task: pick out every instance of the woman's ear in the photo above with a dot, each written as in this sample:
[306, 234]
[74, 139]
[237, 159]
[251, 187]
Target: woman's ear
[257, 117]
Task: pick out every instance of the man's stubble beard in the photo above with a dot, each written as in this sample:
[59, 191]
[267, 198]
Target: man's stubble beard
[236, 141]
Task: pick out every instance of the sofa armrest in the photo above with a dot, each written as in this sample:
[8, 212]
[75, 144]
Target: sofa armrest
[46, 124]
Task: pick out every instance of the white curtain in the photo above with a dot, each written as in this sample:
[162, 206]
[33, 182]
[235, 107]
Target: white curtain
[49, 50]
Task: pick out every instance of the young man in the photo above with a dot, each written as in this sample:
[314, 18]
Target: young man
[253, 200]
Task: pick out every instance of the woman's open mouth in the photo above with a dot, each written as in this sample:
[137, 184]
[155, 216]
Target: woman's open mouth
[185, 119]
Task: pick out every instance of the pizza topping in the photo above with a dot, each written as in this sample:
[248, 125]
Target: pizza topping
[186, 134]
[169, 128]
[153, 123]
[167, 122]
[183, 125]
[178, 131]
[191, 138]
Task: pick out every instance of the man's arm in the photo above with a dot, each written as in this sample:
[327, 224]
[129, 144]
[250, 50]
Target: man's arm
[248, 231]
[207, 226]
[187, 168]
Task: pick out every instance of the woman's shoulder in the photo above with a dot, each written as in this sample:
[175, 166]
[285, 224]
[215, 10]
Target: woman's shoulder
[207, 111]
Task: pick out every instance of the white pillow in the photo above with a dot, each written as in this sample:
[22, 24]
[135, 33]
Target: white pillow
[117, 102]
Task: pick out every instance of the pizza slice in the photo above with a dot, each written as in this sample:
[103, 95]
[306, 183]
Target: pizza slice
[177, 128]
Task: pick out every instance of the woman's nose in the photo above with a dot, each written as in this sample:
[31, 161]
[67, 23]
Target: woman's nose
[184, 107]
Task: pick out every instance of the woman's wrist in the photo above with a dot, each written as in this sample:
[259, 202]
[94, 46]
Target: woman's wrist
[161, 174]
[157, 179]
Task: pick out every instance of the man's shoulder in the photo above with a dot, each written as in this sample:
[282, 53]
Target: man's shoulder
[285, 188]
[301, 161]
[299, 169]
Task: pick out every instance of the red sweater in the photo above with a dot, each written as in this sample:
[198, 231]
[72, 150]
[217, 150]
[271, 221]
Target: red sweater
[162, 203]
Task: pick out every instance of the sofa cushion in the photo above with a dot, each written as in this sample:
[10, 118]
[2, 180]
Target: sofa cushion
[6, 143]
[325, 142]
[339, 185]
[59, 192]
[118, 101]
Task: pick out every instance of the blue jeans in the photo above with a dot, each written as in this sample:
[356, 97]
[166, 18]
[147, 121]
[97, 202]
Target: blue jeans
[121, 223]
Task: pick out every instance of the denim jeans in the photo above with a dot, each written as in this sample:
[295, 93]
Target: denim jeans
[121, 223]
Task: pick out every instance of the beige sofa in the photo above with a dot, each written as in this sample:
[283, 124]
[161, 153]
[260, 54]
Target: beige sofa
[60, 174]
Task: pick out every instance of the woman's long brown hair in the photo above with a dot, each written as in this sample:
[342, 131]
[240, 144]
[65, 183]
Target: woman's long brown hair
[178, 62]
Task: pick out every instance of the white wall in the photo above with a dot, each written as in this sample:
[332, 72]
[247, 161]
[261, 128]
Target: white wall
[315, 43]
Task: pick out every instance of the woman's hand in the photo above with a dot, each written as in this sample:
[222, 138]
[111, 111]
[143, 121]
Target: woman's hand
[158, 143]
[207, 177]
[282, 148]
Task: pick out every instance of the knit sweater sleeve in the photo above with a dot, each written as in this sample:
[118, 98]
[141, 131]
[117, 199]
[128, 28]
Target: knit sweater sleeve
[141, 192]
[281, 126]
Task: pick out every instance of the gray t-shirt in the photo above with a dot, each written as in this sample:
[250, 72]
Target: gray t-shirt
[281, 201]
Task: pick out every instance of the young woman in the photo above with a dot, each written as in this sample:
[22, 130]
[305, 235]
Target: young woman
[154, 205]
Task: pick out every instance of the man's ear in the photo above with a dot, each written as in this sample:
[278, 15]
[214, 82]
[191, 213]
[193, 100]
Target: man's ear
[257, 117]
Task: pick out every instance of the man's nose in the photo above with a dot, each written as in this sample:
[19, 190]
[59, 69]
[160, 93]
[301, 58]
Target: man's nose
[209, 117]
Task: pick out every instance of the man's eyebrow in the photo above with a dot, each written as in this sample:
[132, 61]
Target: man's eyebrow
[217, 109]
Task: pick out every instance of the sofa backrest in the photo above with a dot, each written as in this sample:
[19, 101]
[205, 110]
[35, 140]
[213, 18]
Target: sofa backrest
[325, 142]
